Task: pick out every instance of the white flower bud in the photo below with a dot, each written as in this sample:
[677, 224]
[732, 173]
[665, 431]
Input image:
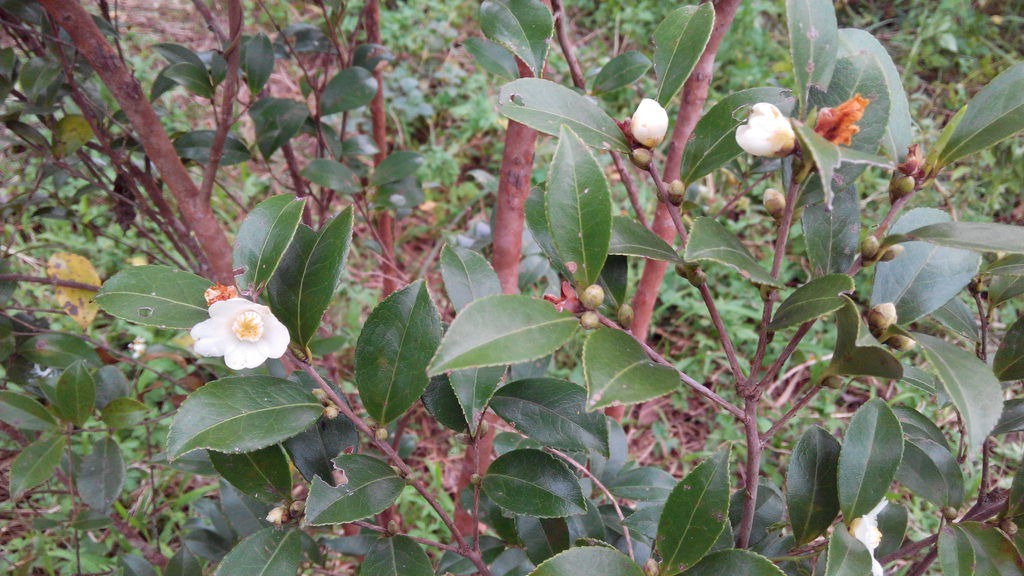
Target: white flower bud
[766, 133]
[649, 123]
[866, 530]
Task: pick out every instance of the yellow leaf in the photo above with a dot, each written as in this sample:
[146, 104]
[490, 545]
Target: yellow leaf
[73, 132]
[77, 302]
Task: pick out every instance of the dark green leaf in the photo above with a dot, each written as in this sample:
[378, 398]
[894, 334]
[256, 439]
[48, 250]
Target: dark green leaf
[193, 78]
[263, 238]
[812, 496]
[871, 454]
[994, 114]
[369, 487]
[994, 553]
[829, 157]
[277, 120]
[101, 476]
[542, 537]
[919, 379]
[547, 106]
[241, 414]
[931, 471]
[1009, 361]
[1012, 419]
[395, 167]
[679, 41]
[630, 238]
[813, 43]
[1015, 498]
[695, 514]
[956, 316]
[55, 350]
[123, 413]
[155, 296]
[333, 175]
[183, 563]
[258, 62]
[534, 483]
[833, 236]
[1009, 265]
[621, 71]
[917, 426]
[467, 276]
[313, 450]
[25, 413]
[892, 523]
[847, 556]
[736, 562]
[196, 146]
[644, 484]
[588, 561]
[977, 236]
[75, 395]
[522, 26]
[269, 552]
[853, 359]
[709, 240]
[816, 298]
[858, 73]
[1004, 288]
[262, 474]
[440, 400]
[493, 58]
[619, 372]
[473, 388]
[898, 129]
[396, 556]
[349, 89]
[552, 412]
[35, 464]
[956, 555]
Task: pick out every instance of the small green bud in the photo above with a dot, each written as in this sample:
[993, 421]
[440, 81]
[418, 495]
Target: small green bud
[774, 203]
[869, 248]
[900, 187]
[462, 438]
[834, 382]
[393, 527]
[765, 291]
[743, 204]
[382, 434]
[330, 412]
[641, 158]
[483, 428]
[950, 513]
[592, 297]
[676, 192]
[320, 394]
[590, 320]
[692, 272]
[900, 342]
[1008, 526]
[475, 479]
[891, 253]
[880, 317]
[625, 316]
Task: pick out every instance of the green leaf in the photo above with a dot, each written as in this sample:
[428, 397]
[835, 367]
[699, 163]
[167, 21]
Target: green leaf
[313, 450]
[467, 276]
[994, 553]
[970, 384]
[101, 476]
[813, 43]
[917, 426]
[552, 412]
[196, 146]
[24, 413]
[473, 388]
[931, 471]
[1015, 497]
[500, 330]
[349, 89]
[332, 175]
[892, 523]
[183, 563]
[621, 71]
[258, 62]
[816, 298]
[709, 240]
[35, 464]
[370, 486]
[441, 402]
[812, 496]
[547, 106]
[155, 296]
[534, 483]
[276, 120]
[619, 372]
[993, 115]
[193, 78]
[645, 484]
[956, 555]
[588, 561]
[75, 394]
[1012, 418]
[263, 238]
[522, 26]
[1004, 288]
[737, 562]
[695, 513]
[262, 474]
[631, 238]
[55, 350]
[847, 556]
[956, 316]
[833, 236]
[579, 208]
[713, 144]
[1009, 361]
[492, 58]
[304, 284]
[829, 157]
[871, 454]
[977, 236]
[123, 413]
[396, 556]
[269, 552]
[679, 41]
[858, 73]
[394, 349]
[925, 276]
[1009, 265]
[395, 167]
[241, 414]
[542, 537]
[919, 379]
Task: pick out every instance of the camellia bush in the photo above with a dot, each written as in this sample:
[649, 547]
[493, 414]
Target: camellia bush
[295, 445]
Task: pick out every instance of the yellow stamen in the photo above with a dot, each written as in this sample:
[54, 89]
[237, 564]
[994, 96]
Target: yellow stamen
[248, 326]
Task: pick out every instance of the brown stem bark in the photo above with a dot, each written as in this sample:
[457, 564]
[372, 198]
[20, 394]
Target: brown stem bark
[195, 210]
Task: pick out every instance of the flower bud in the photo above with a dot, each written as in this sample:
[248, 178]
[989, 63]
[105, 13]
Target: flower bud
[950, 513]
[649, 123]
[834, 382]
[590, 320]
[320, 394]
[462, 438]
[277, 516]
[483, 428]
[393, 527]
[1008, 526]
[331, 412]
[651, 567]
[869, 248]
[766, 133]
[625, 316]
[641, 158]
[891, 253]
[900, 343]
[880, 317]
[475, 479]
[774, 203]
[592, 297]
[297, 508]
[692, 272]
[765, 291]
[900, 187]
[676, 192]
[382, 434]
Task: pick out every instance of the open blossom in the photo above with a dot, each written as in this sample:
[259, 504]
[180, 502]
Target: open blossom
[649, 123]
[243, 332]
[866, 530]
[767, 132]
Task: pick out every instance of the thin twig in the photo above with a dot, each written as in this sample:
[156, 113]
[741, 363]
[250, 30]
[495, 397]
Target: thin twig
[789, 414]
[50, 281]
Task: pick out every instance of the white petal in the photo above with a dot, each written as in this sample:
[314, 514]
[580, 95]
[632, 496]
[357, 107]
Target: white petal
[876, 568]
[274, 342]
[754, 141]
[881, 505]
[232, 307]
[244, 355]
[212, 337]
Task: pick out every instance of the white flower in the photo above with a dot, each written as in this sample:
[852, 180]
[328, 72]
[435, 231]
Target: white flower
[138, 347]
[649, 123]
[243, 332]
[766, 133]
[866, 530]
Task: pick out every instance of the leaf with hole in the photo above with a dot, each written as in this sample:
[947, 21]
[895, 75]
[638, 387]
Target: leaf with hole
[155, 296]
[369, 486]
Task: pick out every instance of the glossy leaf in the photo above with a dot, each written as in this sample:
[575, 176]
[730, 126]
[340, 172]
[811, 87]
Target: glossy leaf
[56, 350]
[631, 238]
[833, 236]
[75, 394]
[847, 556]
[1009, 361]
[276, 120]
[397, 166]
[269, 552]
[542, 538]
[492, 58]
[679, 41]
[196, 146]
[917, 426]
[305, 282]
[24, 413]
[155, 296]
[258, 62]
[100, 477]
[994, 553]
[123, 413]
[588, 561]
[263, 238]
[813, 43]
[241, 414]
[956, 316]
[333, 175]
[816, 298]
[619, 372]
[931, 471]
[193, 78]
[709, 240]
[925, 276]
[547, 106]
[857, 73]
[1009, 265]
[76, 302]
[645, 484]
[1004, 288]
[871, 454]
[621, 71]
[552, 412]
[812, 496]
[522, 26]
[313, 450]
[956, 555]
[441, 402]
[262, 474]
[970, 384]
[369, 487]
[579, 208]
[977, 236]
[695, 514]
[396, 556]
[994, 114]
[829, 157]
[349, 89]
[395, 346]
[500, 330]
[473, 388]
[34, 464]
[534, 483]
[467, 276]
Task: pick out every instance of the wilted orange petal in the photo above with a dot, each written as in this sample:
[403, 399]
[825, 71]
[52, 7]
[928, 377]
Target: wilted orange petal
[219, 292]
[839, 124]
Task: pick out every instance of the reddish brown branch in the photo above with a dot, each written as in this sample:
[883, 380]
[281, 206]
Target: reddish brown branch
[231, 55]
